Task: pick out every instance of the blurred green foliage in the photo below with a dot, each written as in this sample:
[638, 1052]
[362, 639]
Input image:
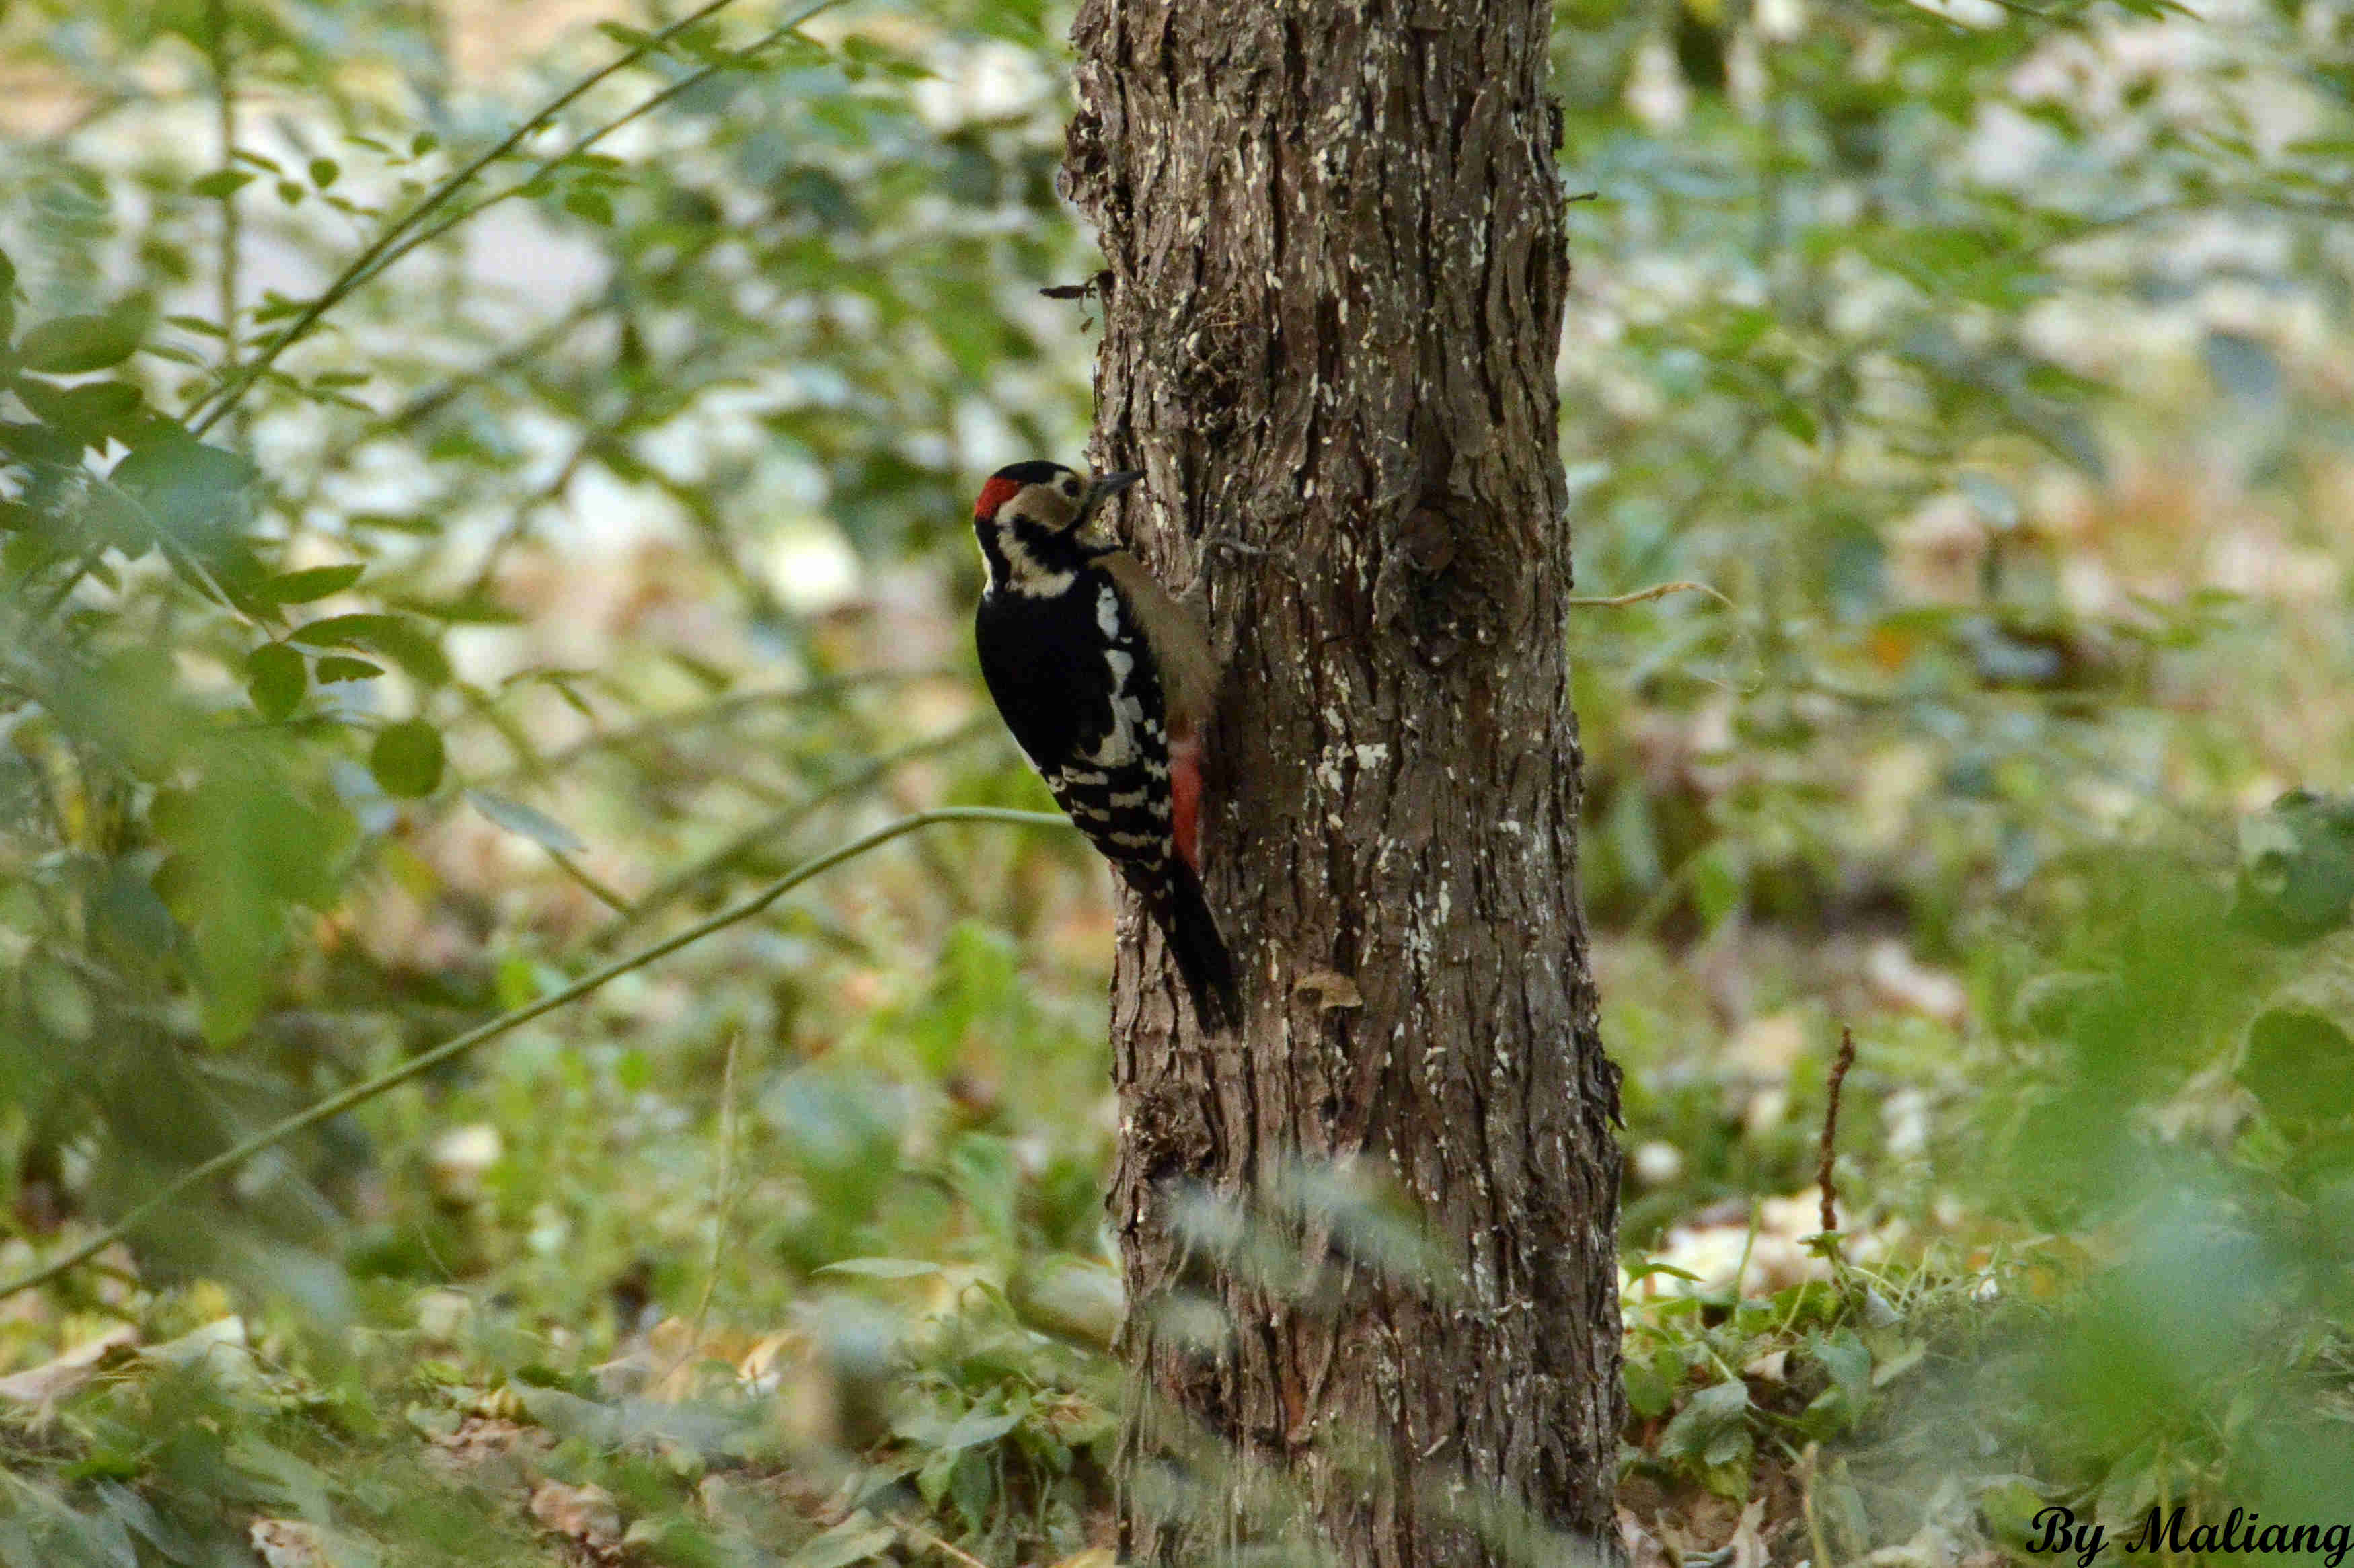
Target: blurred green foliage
[417, 586]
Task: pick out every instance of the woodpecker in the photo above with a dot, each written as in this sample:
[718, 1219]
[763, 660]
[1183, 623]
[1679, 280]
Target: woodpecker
[1106, 682]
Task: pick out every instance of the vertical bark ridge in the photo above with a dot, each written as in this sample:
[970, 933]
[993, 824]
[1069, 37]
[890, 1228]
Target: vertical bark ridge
[1336, 244]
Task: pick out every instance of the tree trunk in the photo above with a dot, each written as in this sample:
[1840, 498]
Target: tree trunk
[1336, 273]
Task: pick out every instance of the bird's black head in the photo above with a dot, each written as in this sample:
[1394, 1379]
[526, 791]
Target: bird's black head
[1029, 520]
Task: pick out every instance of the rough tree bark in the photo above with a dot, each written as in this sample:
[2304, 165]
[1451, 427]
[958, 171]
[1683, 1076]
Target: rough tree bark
[1334, 232]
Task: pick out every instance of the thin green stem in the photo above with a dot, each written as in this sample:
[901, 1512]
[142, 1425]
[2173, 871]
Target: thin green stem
[719, 710]
[1644, 596]
[425, 1061]
[431, 401]
[606, 895]
[687, 878]
[685, 84]
[723, 1207]
[361, 267]
[549, 494]
[221, 48]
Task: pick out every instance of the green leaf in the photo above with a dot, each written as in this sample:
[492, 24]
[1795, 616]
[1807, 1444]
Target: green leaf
[881, 1268]
[1843, 1356]
[1719, 881]
[344, 631]
[932, 1481]
[179, 462]
[628, 36]
[90, 410]
[2010, 1509]
[305, 586]
[705, 43]
[854, 1539]
[324, 171]
[1796, 421]
[416, 650]
[74, 346]
[221, 183]
[60, 1001]
[244, 845]
[333, 669]
[140, 1517]
[1741, 328]
[406, 760]
[275, 679]
[593, 205]
[1650, 1267]
[198, 494]
[975, 1427]
[1730, 1446]
[276, 307]
[1648, 1394]
[526, 822]
[37, 443]
[1704, 1420]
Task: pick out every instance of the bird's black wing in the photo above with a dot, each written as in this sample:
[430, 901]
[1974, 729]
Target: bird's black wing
[1078, 688]
[1076, 685]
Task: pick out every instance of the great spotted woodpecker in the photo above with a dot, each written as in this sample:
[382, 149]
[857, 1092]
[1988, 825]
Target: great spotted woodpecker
[1106, 682]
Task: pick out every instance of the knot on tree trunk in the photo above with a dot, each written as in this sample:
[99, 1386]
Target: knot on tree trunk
[1448, 580]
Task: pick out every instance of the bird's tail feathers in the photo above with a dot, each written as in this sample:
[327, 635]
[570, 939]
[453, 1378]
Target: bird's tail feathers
[1204, 963]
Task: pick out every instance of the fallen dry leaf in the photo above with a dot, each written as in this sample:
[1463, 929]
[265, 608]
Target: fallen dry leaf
[1643, 1548]
[480, 1439]
[44, 1384]
[288, 1543]
[588, 1514]
[1748, 1546]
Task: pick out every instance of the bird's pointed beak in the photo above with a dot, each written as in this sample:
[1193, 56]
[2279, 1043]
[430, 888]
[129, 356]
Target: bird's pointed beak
[1103, 487]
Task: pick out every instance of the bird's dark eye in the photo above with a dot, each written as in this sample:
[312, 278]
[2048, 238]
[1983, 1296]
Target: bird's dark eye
[1070, 486]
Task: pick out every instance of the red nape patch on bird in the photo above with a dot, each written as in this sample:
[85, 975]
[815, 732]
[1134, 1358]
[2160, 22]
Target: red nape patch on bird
[994, 495]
